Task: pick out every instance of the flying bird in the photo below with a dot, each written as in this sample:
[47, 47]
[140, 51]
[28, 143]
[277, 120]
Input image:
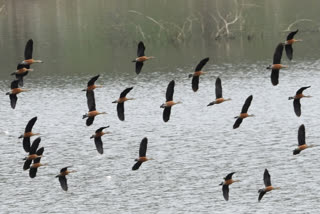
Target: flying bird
[91, 86]
[141, 57]
[169, 102]
[301, 141]
[33, 154]
[62, 177]
[219, 98]
[92, 108]
[296, 100]
[142, 154]
[197, 72]
[243, 113]
[97, 138]
[27, 134]
[13, 93]
[28, 60]
[289, 42]
[276, 66]
[34, 167]
[120, 103]
[22, 70]
[225, 185]
[267, 183]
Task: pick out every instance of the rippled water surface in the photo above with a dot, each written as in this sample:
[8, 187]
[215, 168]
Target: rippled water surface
[192, 152]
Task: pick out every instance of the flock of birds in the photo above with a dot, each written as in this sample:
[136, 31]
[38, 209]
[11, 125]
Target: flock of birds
[32, 160]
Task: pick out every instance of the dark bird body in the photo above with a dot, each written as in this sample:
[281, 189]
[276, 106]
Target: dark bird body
[197, 73]
[169, 102]
[120, 103]
[142, 154]
[243, 113]
[296, 100]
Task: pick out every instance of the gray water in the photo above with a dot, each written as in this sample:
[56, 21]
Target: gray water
[192, 152]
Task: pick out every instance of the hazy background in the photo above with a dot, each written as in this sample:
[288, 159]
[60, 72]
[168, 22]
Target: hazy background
[78, 39]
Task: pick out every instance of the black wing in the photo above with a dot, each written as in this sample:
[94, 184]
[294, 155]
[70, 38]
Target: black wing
[125, 92]
[92, 80]
[34, 146]
[64, 169]
[170, 91]
[261, 195]
[143, 147]
[166, 114]
[297, 107]
[218, 88]
[278, 54]
[91, 100]
[120, 111]
[201, 64]
[15, 84]
[28, 49]
[138, 67]
[195, 83]
[136, 165]
[20, 77]
[301, 135]
[266, 178]
[101, 128]
[40, 151]
[225, 190]
[302, 89]
[20, 66]
[275, 76]
[26, 144]
[33, 172]
[291, 34]
[247, 104]
[141, 49]
[289, 51]
[63, 183]
[27, 164]
[89, 121]
[229, 176]
[99, 145]
[237, 123]
[13, 100]
[30, 124]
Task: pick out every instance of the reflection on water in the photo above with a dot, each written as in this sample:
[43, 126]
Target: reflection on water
[192, 152]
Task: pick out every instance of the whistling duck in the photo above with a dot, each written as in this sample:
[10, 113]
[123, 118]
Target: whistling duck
[276, 66]
[243, 113]
[289, 42]
[197, 72]
[97, 138]
[225, 185]
[27, 134]
[301, 141]
[22, 70]
[91, 85]
[267, 183]
[141, 57]
[14, 91]
[92, 108]
[28, 60]
[296, 100]
[33, 154]
[169, 102]
[34, 167]
[120, 103]
[62, 177]
[142, 154]
[219, 98]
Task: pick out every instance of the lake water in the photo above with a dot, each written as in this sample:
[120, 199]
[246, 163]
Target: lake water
[192, 152]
